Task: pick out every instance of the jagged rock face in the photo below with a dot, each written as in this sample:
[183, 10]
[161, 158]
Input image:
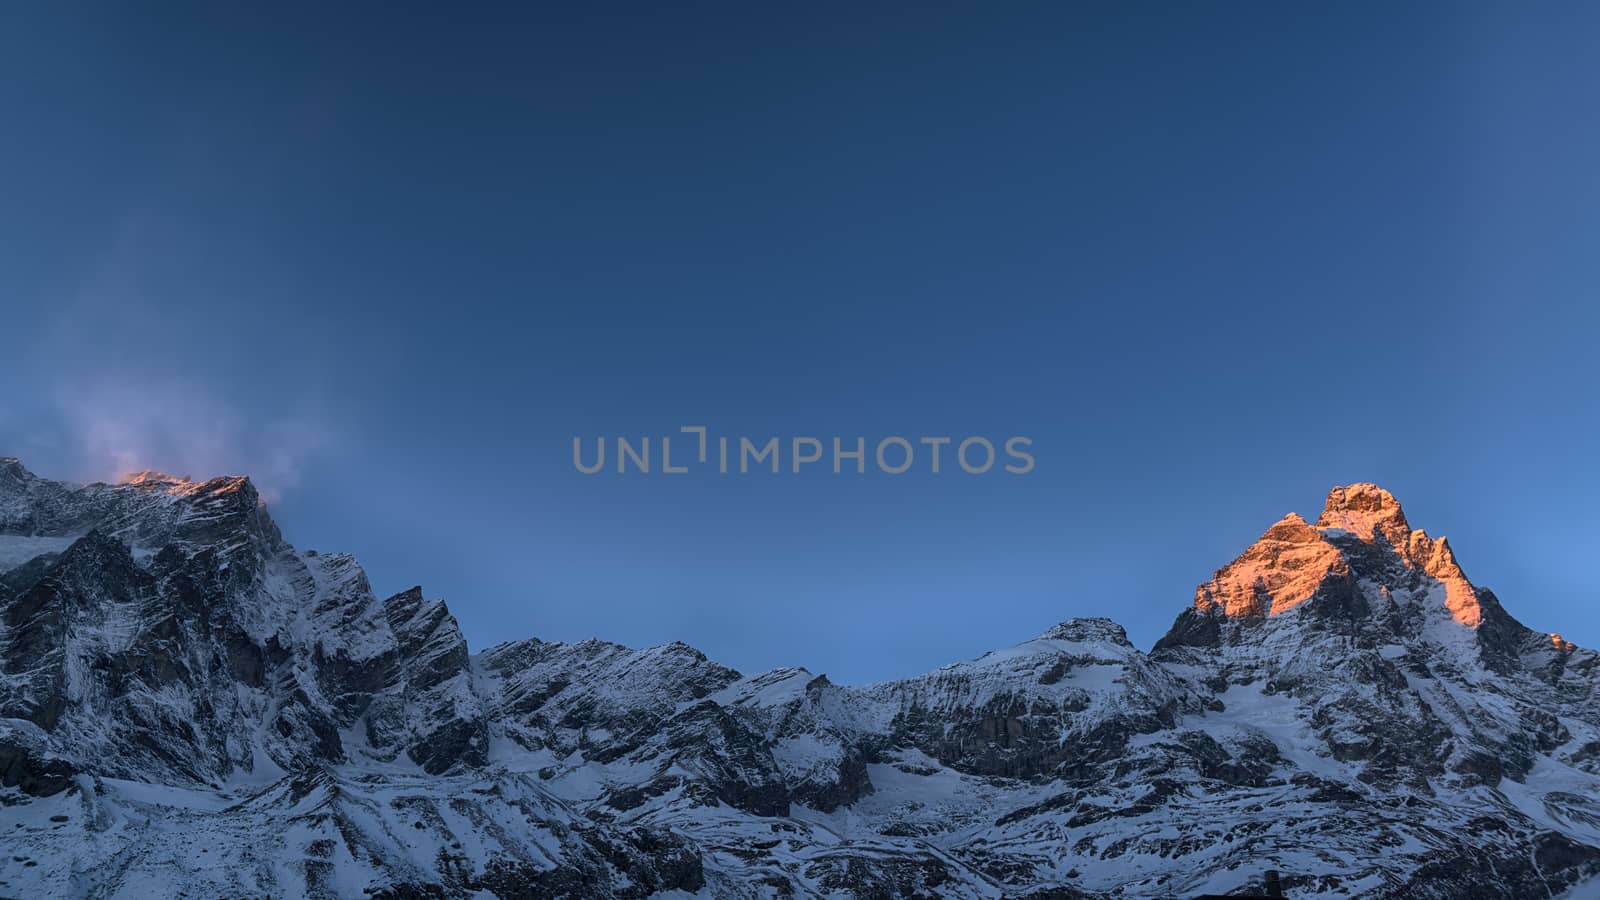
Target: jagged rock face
[1284, 569]
[181, 638]
[1340, 703]
[1360, 563]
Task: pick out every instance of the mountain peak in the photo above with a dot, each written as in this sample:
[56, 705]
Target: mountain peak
[1362, 534]
[1365, 510]
[151, 476]
[12, 469]
[229, 489]
[1087, 629]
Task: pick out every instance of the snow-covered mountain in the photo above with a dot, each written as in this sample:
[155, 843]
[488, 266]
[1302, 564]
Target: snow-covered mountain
[191, 707]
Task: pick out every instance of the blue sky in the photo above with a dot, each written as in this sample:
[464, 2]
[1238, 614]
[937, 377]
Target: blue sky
[1212, 260]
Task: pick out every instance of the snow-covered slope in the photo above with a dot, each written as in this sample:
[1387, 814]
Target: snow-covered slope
[189, 704]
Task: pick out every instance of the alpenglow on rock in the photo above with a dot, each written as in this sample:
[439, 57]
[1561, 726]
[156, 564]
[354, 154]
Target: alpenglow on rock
[189, 705]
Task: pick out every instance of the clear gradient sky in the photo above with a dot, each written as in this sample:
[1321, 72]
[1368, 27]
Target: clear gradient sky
[1212, 258]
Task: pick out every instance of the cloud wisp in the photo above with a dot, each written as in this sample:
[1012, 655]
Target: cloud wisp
[113, 429]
